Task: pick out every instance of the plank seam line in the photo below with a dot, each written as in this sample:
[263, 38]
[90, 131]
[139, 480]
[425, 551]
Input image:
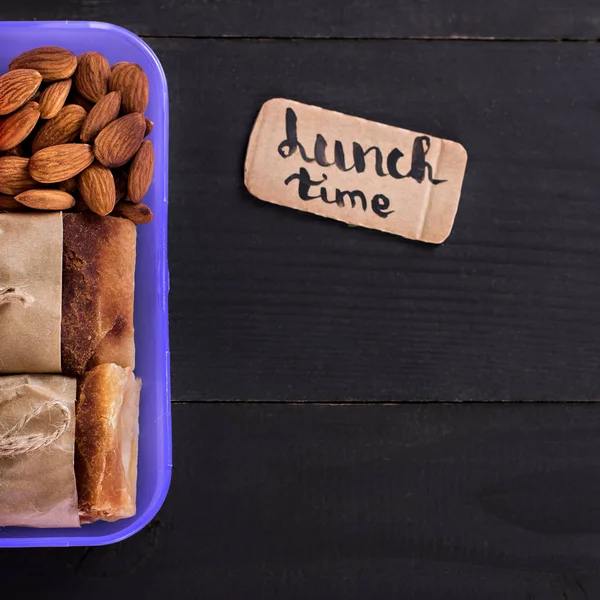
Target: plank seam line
[453, 38]
[397, 403]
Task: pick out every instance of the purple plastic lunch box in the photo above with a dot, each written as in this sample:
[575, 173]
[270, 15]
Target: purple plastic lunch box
[151, 281]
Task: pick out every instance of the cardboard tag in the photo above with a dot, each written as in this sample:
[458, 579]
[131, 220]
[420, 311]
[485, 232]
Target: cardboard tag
[354, 170]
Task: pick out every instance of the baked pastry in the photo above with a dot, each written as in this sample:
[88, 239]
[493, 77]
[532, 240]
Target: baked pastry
[66, 292]
[98, 288]
[106, 443]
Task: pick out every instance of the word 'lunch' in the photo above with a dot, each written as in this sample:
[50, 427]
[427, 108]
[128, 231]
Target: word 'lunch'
[379, 203]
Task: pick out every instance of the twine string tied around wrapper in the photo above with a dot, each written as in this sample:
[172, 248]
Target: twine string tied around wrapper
[14, 442]
[13, 294]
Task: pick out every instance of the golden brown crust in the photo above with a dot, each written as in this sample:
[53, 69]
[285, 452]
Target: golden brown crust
[108, 396]
[98, 288]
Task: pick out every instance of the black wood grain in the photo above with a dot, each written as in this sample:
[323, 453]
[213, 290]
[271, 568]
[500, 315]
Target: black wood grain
[427, 502]
[271, 304]
[548, 19]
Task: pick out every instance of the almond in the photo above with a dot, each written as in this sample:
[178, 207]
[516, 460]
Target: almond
[141, 172]
[131, 81]
[16, 127]
[76, 98]
[81, 207]
[97, 188]
[18, 150]
[119, 65]
[92, 75]
[62, 129]
[59, 163]
[69, 186]
[14, 175]
[52, 62]
[9, 204]
[46, 199]
[121, 178]
[118, 142]
[53, 98]
[105, 112]
[139, 213]
[16, 88]
[149, 127]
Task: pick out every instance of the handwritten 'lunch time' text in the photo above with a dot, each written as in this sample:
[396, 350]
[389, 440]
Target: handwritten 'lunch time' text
[386, 166]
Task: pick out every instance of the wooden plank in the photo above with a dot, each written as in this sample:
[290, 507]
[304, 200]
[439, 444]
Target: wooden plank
[439, 502]
[547, 19]
[270, 304]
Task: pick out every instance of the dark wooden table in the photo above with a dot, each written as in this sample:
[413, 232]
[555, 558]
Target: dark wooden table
[357, 416]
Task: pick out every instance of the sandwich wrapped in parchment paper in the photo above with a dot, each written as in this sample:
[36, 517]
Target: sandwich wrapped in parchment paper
[66, 292]
[37, 442]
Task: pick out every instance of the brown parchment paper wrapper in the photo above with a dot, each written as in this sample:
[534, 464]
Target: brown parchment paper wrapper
[37, 487]
[31, 249]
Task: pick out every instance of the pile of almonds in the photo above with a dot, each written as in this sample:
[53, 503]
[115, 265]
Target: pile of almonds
[72, 135]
